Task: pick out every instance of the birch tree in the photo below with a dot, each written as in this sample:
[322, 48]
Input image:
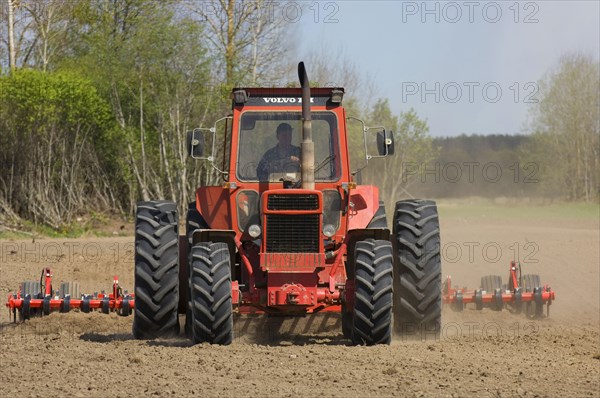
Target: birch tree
[250, 39]
[566, 129]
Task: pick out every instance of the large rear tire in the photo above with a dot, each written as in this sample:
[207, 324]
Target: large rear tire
[373, 295]
[210, 285]
[156, 270]
[418, 276]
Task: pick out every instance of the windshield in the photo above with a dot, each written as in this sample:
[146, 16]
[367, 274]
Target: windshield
[269, 146]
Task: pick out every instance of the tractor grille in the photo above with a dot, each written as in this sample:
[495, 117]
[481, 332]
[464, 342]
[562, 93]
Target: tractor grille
[293, 233]
[293, 202]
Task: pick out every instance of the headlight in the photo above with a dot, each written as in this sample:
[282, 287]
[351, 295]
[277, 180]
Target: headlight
[328, 230]
[254, 230]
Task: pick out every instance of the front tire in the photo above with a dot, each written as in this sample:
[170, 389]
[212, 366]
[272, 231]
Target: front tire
[418, 276]
[210, 286]
[373, 295]
[193, 221]
[156, 270]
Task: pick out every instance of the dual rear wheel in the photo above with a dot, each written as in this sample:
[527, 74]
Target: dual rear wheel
[156, 270]
[398, 290]
[209, 316]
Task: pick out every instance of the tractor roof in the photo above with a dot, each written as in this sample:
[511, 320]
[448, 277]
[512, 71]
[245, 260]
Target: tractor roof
[282, 96]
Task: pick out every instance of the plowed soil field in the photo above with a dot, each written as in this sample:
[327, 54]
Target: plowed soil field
[479, 353]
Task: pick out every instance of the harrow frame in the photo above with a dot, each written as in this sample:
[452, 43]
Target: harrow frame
[518, 298]
[44, 302]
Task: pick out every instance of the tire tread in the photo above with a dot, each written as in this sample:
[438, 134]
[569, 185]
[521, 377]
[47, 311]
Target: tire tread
[373, 299]
[156, 270]
[417, 277]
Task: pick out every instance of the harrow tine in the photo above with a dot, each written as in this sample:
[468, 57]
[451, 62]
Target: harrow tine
[459, 305]
[479, 299]
[518, 300]
[498, 304]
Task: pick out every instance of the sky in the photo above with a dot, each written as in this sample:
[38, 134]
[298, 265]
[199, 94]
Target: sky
[467, 67]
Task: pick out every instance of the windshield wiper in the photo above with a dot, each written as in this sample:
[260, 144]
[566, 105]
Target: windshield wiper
[322, 164]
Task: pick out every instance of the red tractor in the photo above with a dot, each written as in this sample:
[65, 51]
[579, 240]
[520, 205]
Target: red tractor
[289, 232]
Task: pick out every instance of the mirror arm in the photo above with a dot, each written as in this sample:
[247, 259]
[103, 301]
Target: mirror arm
[367, 157]
[355, 172]
[212, 164]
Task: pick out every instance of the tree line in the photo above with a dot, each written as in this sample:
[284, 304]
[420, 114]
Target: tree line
[557, 156]
[96, 97]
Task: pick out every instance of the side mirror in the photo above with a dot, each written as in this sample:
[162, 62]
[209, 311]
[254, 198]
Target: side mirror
[385, 143]
[195, 143]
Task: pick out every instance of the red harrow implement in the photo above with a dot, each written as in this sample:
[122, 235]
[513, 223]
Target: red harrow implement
[522, 293]
[36, 298]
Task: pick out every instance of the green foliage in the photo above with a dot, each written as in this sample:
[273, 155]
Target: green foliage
[566, 130]
[153, 68]
[51, 124]
[382, 114]
[413, 145]
[35, 99]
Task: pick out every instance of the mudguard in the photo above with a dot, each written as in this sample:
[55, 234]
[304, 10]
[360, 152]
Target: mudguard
[357, 235]
[364, 203]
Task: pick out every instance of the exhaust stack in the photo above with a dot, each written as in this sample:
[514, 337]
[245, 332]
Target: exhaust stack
[307, 145]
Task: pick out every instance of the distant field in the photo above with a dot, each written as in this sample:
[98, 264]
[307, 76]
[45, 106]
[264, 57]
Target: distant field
[468, 208]
[511, 209]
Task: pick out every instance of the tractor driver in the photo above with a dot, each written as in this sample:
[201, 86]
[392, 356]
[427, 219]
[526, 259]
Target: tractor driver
[282, 158]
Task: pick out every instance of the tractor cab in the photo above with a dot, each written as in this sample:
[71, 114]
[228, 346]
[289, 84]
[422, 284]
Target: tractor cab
[263, 152]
